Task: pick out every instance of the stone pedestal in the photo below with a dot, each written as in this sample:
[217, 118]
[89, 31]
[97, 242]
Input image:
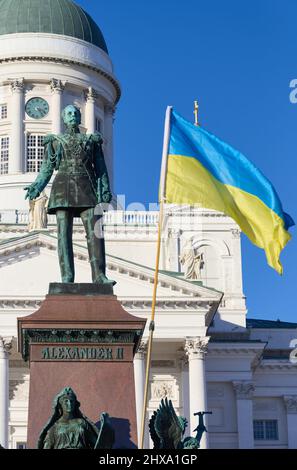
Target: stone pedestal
[81, 337]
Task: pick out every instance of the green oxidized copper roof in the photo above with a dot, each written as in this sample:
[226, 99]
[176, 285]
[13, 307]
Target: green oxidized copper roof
[49, 16]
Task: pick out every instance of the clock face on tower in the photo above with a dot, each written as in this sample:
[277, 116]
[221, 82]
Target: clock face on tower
[37, 108]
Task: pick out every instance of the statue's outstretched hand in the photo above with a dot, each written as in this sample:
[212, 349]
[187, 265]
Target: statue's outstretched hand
[32, 192]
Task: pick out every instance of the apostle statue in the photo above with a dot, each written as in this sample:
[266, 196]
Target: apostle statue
[68, 428]
[38, 213]
[80, 184]
[193, 262]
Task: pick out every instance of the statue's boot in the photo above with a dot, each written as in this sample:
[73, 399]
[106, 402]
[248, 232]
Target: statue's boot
[98, 275]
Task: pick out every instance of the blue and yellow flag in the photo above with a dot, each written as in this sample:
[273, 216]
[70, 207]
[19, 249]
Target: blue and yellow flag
[204, 170]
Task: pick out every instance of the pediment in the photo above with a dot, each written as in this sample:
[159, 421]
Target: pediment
[29, 263]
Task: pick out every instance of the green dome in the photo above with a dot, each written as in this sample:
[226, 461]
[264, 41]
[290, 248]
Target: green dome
[49, 16]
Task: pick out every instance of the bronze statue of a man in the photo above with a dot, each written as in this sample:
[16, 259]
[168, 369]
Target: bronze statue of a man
[80, 184]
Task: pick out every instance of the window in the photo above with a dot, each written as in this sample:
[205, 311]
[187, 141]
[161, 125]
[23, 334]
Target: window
[3, 111]
[98, 125]
[4, 155]
[265, 430]
[35, 151]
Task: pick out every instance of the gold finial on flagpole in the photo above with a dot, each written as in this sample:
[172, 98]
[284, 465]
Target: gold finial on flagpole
[196, 109]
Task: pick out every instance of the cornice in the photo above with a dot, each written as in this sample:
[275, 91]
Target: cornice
[129, 304]
[59, 60]
[277, 365]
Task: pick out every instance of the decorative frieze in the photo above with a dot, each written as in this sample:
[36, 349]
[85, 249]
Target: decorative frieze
[196, 347]
[291, 403]
[244, 390]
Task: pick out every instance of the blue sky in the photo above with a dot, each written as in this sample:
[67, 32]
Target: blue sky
[237, 59]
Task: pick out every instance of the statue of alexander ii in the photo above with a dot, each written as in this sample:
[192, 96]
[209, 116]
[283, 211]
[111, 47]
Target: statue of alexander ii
[80, 184]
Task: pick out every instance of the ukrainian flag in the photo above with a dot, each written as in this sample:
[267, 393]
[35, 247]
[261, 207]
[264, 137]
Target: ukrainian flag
[204, 170]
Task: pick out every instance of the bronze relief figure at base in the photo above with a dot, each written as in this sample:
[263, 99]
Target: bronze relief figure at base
[68, 428]
[81, 183]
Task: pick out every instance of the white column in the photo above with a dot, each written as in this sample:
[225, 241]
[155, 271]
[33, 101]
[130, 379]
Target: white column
[195, 349]
[139, 378]
[291, 406]
[109, 112]
[90, 113]
[5, 345]
[57, 88]
[244, 393]
[16, 144]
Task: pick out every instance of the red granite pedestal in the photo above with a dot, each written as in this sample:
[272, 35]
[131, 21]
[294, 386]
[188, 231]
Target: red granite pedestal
[81, 337]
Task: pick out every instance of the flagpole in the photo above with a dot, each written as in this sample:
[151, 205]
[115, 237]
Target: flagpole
[156, 277]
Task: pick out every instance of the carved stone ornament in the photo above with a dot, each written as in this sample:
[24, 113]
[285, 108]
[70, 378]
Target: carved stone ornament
[142, 348]
[57, 86]
[236, 232]
[244, 390]
[5, 346]
[291, 404]
[162, 390]
[91, 94]
[17, 85]
[196, 347]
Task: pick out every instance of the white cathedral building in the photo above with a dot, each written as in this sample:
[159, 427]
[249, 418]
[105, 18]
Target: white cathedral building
[207, 355]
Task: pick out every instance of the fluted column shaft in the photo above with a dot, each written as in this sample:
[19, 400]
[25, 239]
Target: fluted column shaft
[90, 111]
[5, 345]
[195, 349]
[139, 378]
[16, 144]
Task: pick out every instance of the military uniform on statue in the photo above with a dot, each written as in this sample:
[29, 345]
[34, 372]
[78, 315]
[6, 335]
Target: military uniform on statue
[81, 183]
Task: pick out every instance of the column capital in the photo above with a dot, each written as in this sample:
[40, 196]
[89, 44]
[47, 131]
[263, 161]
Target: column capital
[244, 390]
[57, 86]
[174, 233]
[5, 346]
[291, 403]
[110, 110]
[91, 94]
[196, 347]
[17, 85]
[236, 232]
[142, 349]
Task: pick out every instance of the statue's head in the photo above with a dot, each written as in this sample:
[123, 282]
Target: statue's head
[71, 116]
[66, 402]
